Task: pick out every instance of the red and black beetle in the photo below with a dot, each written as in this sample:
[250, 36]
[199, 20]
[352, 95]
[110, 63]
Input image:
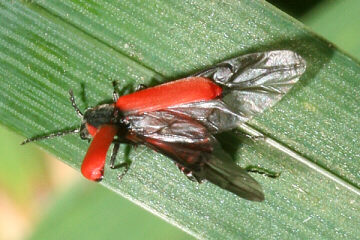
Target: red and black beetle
[180, 118]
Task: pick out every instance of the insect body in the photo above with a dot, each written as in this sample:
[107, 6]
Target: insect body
[181, 118]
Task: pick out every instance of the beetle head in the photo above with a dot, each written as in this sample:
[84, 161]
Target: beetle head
[95, 117]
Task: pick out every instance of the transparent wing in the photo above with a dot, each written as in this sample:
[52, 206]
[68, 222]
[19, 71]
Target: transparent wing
[190, 145]
[256, 81]
[214, 114]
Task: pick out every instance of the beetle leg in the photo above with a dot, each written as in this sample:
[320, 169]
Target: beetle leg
[126, 165]
[113, 155]
[263, 171]
[189, 174]
[115, 93]
[125, 141]
[140, 87]
[197, 178]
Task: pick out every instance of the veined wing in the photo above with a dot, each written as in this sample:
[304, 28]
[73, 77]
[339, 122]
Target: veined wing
[208, 161]
[191, 146]
[214, 114]
[255, 82]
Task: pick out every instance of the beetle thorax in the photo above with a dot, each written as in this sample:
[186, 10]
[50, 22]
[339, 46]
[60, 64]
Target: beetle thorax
[100, 115]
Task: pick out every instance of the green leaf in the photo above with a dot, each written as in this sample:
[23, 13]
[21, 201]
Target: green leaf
[48, 47]
[323, 20]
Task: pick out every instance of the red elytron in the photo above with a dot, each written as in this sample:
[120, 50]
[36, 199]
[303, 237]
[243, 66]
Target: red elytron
[187, 90]
[179, 119]
[94, 161]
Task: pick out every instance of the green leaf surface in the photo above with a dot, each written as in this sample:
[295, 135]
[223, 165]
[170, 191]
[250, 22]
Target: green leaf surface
[48, 47]
[335, 21]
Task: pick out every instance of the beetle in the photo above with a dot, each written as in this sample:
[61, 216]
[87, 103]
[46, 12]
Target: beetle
[180, 119]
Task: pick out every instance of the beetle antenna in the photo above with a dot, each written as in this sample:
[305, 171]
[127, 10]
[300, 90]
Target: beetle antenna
[73, 103]
[51, 135]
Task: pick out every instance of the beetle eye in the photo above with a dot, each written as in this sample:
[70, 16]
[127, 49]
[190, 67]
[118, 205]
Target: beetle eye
[84, 133]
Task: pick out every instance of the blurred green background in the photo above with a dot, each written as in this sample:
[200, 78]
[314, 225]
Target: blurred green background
[41, 198]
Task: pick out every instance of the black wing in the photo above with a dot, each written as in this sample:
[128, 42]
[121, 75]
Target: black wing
[189, 144]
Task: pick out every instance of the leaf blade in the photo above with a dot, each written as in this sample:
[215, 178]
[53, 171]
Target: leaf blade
[65, 51]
